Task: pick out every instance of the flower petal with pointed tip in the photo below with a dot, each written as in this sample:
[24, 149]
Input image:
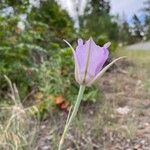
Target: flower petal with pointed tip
[90, 59]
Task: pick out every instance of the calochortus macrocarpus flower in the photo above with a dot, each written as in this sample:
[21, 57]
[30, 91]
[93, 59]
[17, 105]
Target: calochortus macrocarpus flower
[89, 61]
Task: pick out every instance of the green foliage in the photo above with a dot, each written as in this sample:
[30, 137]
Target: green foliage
[23, 50]
[101, 40]
[52, 23]
[57, 78]
[98, 23]
[147, 24]
[138, 28]
[147, 85]
[146, 9]
[125, 33]
[30, 55]
[131, 34]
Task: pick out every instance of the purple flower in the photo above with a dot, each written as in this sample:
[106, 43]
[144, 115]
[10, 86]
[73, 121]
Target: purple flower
[89, 60]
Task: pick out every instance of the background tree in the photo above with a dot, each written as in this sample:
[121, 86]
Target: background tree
[57, 22]
[137, 28]
[147, 7]
[125, 33]
[30, 34]
[146, 10]
[98, 23]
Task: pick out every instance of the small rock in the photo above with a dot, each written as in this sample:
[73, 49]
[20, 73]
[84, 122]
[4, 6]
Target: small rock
[141, 127]
[146, 124]
[43, 127]
[91, 112]
[142, 142]
[46, 147]
[49, 138]
[137, 146]
[123, 110]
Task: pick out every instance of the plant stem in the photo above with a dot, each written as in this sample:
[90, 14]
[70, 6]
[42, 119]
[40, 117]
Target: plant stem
[72, 116]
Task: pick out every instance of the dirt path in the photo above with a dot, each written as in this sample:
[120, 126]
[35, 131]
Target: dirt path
[120, 120]
[139, 46]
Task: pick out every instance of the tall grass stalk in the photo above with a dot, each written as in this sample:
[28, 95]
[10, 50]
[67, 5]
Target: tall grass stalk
[72, 115]
[17, 130]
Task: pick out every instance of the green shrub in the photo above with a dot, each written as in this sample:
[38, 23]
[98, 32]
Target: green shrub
[56, 78]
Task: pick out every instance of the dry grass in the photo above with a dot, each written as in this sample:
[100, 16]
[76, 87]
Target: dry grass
[98, 125]
[17, 128]
[137, 56]
[141, 60]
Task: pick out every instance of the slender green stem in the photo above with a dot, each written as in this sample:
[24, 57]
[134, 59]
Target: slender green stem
[72, 116]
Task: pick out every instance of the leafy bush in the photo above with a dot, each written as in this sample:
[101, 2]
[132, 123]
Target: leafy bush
[56, 83]
[31, 57]
[101, 40]
[22, 50]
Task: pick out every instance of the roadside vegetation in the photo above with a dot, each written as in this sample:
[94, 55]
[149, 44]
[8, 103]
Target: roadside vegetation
[37, 85]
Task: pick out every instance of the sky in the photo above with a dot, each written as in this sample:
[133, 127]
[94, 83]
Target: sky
[125, 8]
[129, 7]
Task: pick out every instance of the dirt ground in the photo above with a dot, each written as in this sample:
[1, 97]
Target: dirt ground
[119, 120]
[139, 46]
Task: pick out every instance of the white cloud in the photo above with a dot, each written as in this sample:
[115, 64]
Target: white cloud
[70, 6]
[121, 7]
[7, 11]
[35, 3]
[127, 7]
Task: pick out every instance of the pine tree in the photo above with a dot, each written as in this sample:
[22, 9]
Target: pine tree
[138, 28]
[146, 9]
[125, 33]
[97, 21]
[43, 33]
